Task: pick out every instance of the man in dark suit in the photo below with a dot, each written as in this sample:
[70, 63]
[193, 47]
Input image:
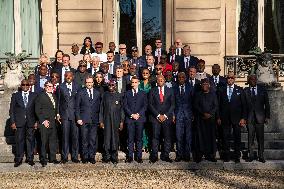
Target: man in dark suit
[112, 64]
[122, 85]
[95, 66]
[258, 114]
[33, 87]
[45, 109]
[148, 52]
[41, 78]
[64, 68]
[192, 81]
[135, 106]
[122, 56]
[158, 50]
[87, 116]
[216, 79]
[233, 114]
[183, 118]
[161, 106]
[66, 93]
[23, 121]
[187, 60]
[172, 56]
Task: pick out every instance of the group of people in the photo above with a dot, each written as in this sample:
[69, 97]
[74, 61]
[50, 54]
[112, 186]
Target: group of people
[93, 101]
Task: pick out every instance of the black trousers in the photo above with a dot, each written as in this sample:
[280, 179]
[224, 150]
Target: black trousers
[69, 127]
[135, 134]
[24, 137]
[48, 139]
[227, 129]
[255, 129]
[158, 129]
[89, 137]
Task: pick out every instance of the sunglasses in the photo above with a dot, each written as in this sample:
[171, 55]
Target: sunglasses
[134, 51]
[159, 68]
[158, 41]
[122, 48]
[230, 77]
[54, 76]
[25, 85]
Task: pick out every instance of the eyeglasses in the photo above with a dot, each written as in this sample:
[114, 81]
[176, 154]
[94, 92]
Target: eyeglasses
[49, 86]
[122, 48]
[230, 77]
[158, 41]
[25, 85]
[159, 68]
[134, 51]
[54, 76]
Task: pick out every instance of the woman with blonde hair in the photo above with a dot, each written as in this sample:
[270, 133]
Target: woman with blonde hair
[43, 60]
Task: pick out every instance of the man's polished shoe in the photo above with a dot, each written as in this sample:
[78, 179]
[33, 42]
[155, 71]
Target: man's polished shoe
[167, 159]
[84, 161]
[75, 161]
[139, 160]
[128, 160]
[55, 162]
[237, 160]
[17, 164]
[92, 161]
[153, 160]
[105, 160]
[178, 159]
[31, 163]
[249, 160]
[64, 161]
[262, 160]
[43, 163]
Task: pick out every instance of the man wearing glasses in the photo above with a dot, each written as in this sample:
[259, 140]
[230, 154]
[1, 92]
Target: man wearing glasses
[159, 51]
[122, 56]
[233, 115]
[99, 52]
[22, 117]
[45, 109]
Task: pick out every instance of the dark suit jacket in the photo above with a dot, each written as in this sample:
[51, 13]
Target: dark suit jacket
[260, 108]
[125, 85]
[19, 114]
[59, 71]
[169, 60]
[44, 108]
[37, 83]
[197, 86]
[117, 58]
[235, 110]
[156, 107]
[66, 103]
[183, 105]
[135, 104]
[87, 109]
[192, 62]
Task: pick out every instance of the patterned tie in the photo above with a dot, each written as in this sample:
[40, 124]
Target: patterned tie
[230, 93]
[90, 94]
[25, 99]
[161, 95]
[69, 89]
[182, 90]
[215, 80]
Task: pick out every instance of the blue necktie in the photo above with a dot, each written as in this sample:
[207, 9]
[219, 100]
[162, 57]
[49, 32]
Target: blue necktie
[230, 93]
[25, 99]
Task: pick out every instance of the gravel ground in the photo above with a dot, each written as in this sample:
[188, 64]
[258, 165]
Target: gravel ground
[109, 176]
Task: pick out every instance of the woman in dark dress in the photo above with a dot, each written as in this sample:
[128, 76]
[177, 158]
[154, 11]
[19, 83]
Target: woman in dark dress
[206, 112]
[87, 46]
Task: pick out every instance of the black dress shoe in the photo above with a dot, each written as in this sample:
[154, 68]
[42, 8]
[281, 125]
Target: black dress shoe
[197, 160]
[153, 160]
[92, 161]
[105, 160]
[187, 159]
[249, 160]
[75, 161]
[43, 163]
[167, 159]
[262, 160]
[212, 159]
[237, 160]
[114, 161]
[64, 161]
[178, 159]
[226, 160]
[31, 163]
[139, 160]
[17, 164]
[55, 162]
[128, 160]
[84, 161]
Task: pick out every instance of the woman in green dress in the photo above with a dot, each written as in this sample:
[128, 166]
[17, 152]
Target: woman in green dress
[145, 86]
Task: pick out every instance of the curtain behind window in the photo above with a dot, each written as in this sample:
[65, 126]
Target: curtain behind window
[6, 26]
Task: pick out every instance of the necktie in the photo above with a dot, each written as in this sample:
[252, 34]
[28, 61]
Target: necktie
[186, 64]
[253, 95]
[69, 89]
[215, 80]
[159, 56]
[191, 82]
[25, 99]
[52, 99]
[177, 51]
[90, 94]
[182, 90]
[173, 59]
[161, 95]
[135, 93]
[111, 68]
[230, 93]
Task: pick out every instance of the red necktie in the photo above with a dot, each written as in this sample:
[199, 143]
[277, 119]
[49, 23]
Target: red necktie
[161, 95]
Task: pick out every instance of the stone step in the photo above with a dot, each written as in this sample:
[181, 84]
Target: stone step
[273, 144]
[267, 136]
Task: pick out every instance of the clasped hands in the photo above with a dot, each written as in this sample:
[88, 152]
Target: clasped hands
[162, 118]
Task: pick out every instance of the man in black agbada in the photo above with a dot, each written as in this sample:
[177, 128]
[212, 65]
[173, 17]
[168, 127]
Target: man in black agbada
[111, 120]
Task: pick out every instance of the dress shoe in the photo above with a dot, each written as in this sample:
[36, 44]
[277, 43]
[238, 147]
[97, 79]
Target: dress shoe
[128, 160]
[153, 160]
[114, 161]
[43, 163]
[31, 163]
[105, 160]
[84, 161]
[75, 161]
[92, 161]
[197, 160]
[237, 160]
[226, 160]
[212, 159]
[249, 159]
[55, 162]
[17, 164]
[139, 160]
[178, 159]
[262, 160]
[64, 161]
[167, 159]
[187, 159]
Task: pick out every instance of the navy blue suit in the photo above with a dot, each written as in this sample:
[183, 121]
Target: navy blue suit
[135, 104]
[59, 71]
[192, 62]
[183, 114]
[156, 108]
[231, 112]
[37, 83]
[215, 86]
[87, 110]
[66, 110]
[24, 118]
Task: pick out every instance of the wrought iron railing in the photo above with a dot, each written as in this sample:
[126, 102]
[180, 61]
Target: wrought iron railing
[242, 65]
[28, 66]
